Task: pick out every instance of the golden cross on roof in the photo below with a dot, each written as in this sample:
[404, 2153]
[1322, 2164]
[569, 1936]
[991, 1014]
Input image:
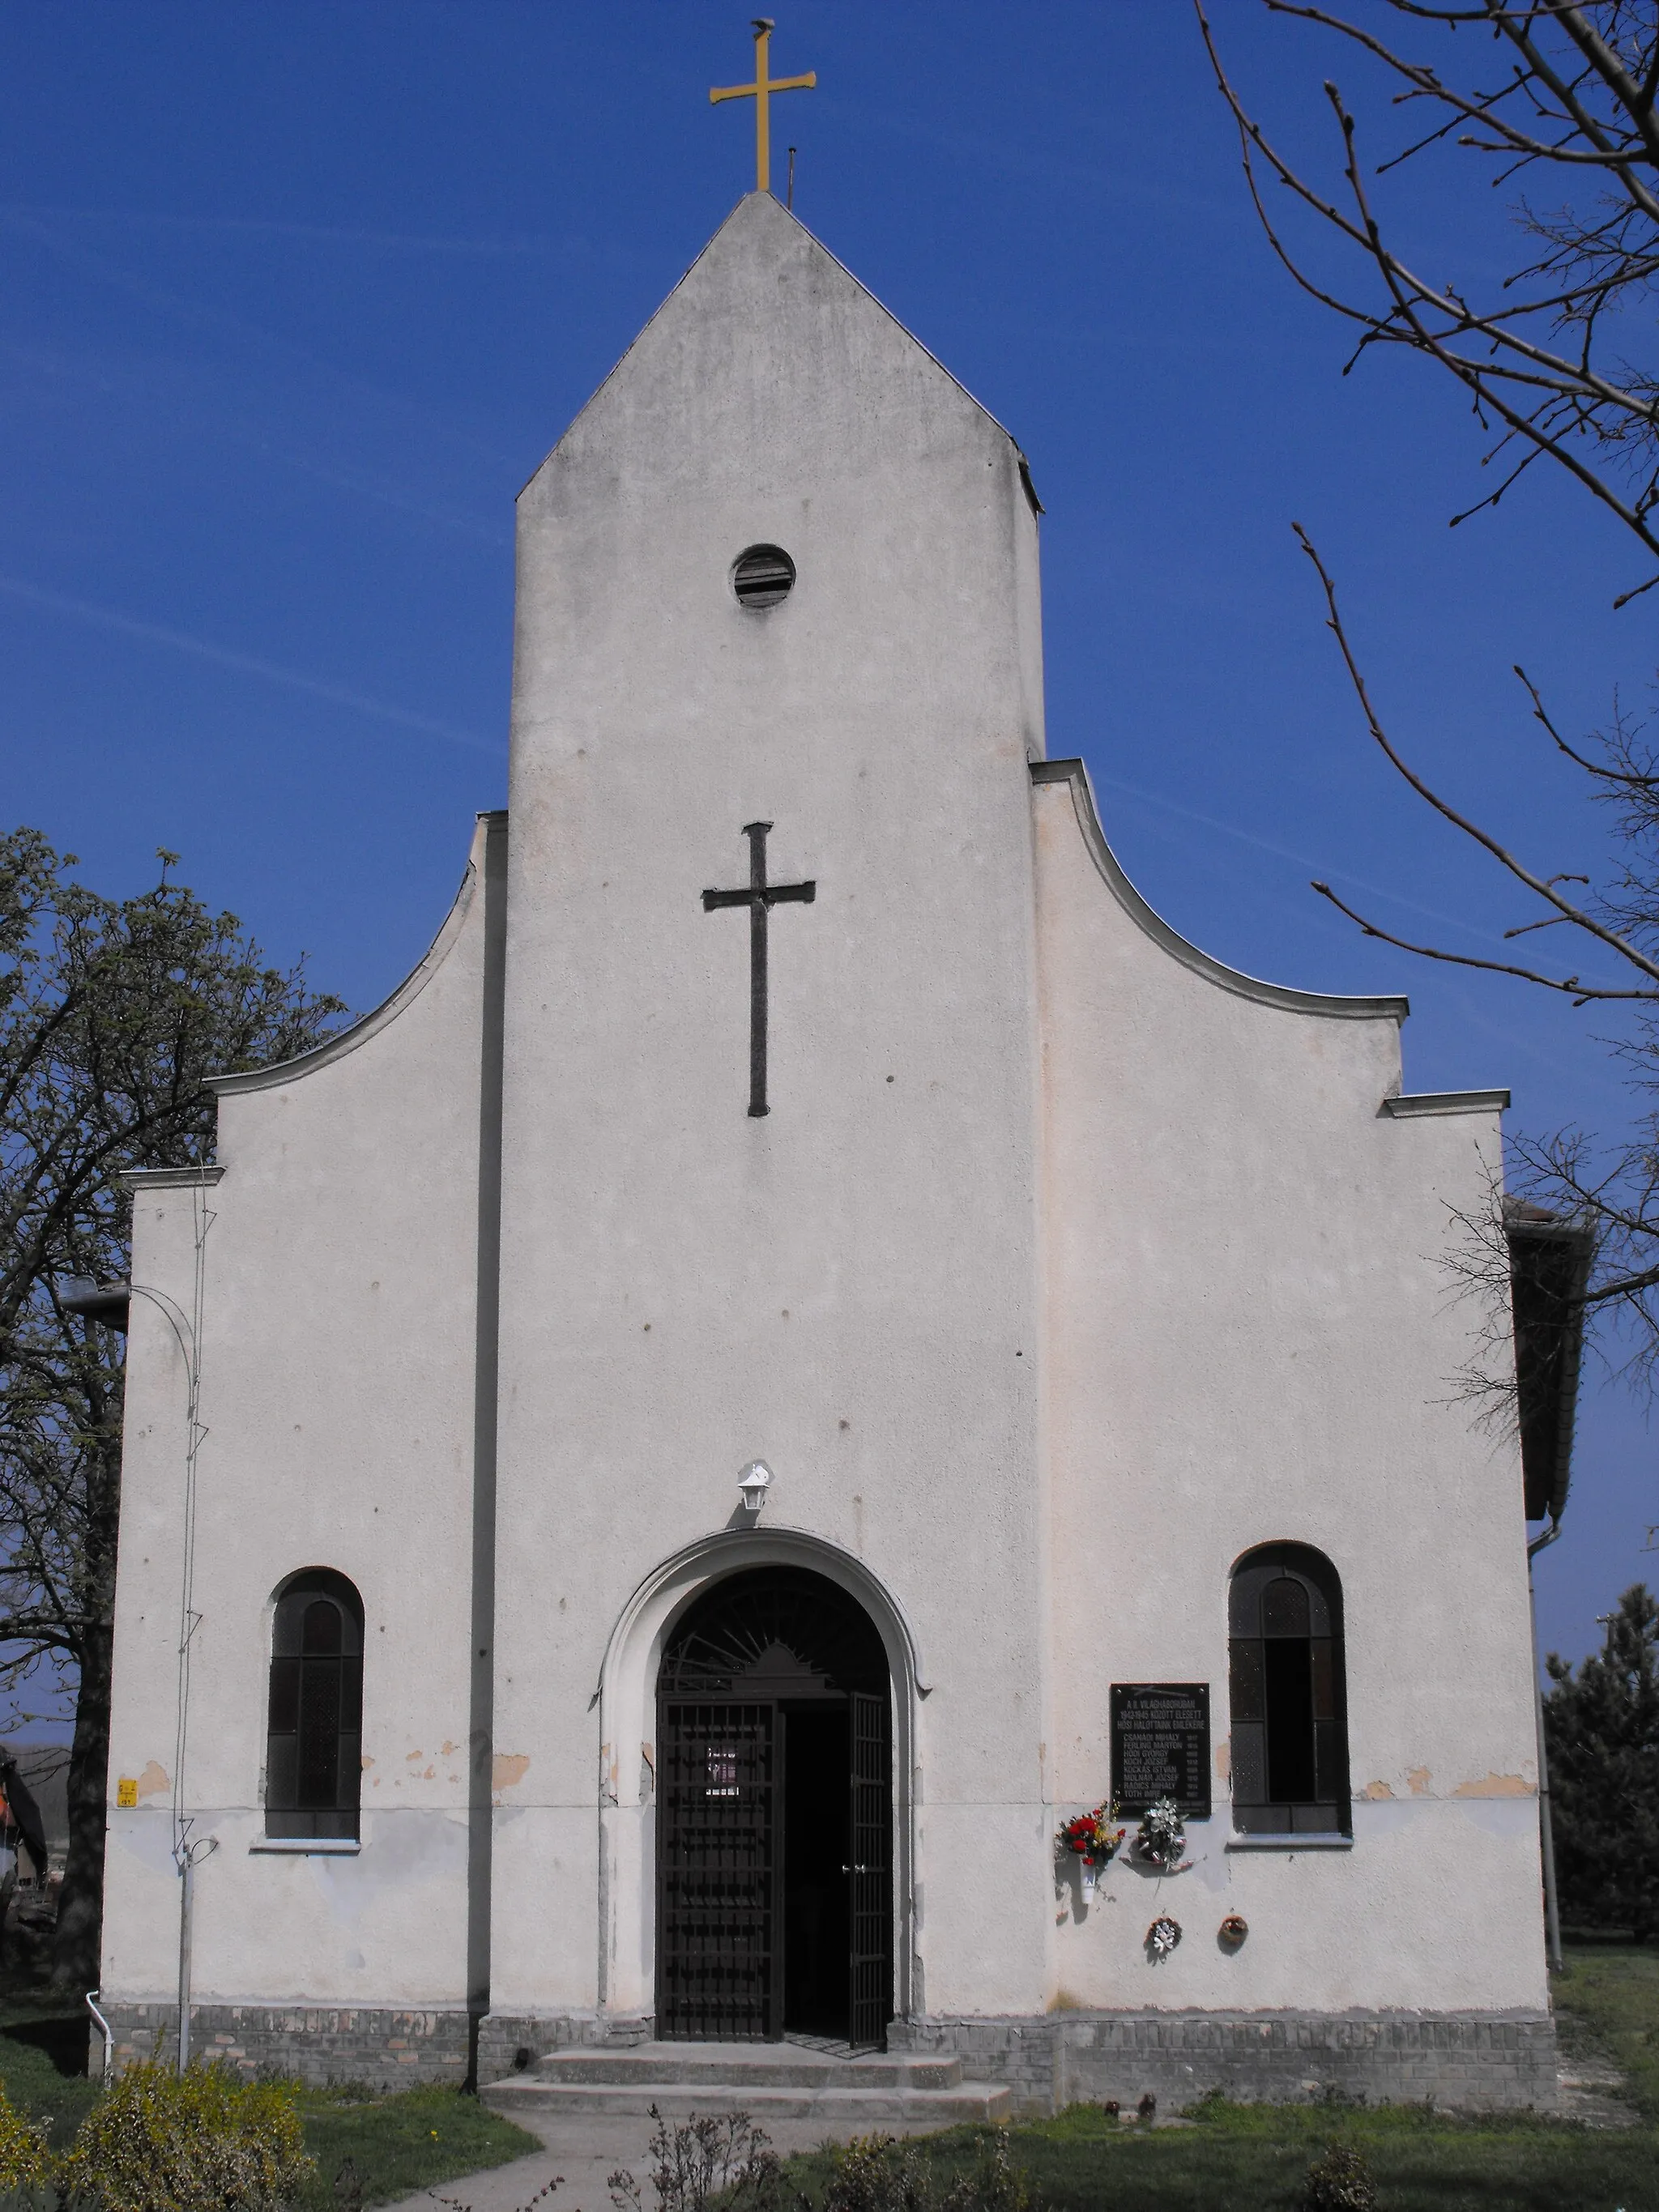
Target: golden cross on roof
[760, 93]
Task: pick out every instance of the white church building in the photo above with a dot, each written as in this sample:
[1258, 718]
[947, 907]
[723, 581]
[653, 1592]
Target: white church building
[814, 1339]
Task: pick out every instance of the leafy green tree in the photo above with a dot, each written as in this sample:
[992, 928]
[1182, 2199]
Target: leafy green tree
[112, 1013]
[1601, 1732]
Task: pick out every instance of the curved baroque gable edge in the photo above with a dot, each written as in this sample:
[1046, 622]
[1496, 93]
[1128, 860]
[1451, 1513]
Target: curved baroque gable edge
[348, 1040]
[1282, 995]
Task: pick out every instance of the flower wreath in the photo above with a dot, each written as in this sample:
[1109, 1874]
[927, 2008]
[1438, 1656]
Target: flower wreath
[1162, 1837]
[1163, 1936]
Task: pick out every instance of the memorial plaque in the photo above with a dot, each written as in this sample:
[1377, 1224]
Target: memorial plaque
[1161, 1746]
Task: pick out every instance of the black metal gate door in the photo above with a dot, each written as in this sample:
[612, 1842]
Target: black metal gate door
[870, 1996]
[716, 1856]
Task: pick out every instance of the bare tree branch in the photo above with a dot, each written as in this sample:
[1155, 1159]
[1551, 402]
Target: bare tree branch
[111, 1015]
[1579, 102]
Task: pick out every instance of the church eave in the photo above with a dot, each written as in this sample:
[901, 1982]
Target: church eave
[1550, 1256]
[347, 1040]
[1418, 1105]
[1281, 996]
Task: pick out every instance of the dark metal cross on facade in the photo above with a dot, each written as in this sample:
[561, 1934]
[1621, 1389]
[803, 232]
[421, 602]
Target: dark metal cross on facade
[759, 898]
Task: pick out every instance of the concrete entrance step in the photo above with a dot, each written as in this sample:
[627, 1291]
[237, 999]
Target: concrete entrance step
[770, 2080]
[761, 2065]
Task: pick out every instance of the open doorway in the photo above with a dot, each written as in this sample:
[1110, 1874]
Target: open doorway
[775, 1816]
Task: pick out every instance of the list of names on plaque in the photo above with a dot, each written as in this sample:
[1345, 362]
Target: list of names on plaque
[1161, 1746]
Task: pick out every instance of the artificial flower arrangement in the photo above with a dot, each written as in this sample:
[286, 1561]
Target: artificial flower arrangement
[1092, 1836]
[1163, 1834]
[1163, 1936]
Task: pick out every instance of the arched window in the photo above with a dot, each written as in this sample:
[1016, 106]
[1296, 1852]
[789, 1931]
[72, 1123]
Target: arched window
[314, 1753]
[1290, 1747]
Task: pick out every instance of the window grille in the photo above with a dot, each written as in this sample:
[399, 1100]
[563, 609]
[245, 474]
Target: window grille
[313, 1746]
[1289, 1749]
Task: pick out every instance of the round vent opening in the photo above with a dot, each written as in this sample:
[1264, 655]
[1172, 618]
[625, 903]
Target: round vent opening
[762, 576]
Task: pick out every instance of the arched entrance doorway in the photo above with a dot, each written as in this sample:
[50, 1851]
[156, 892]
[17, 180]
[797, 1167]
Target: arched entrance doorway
[774, 1830]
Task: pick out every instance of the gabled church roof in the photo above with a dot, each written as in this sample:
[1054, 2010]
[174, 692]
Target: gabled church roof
[758, 250]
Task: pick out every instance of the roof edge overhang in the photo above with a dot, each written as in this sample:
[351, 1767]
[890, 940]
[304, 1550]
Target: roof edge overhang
[1549, 1259]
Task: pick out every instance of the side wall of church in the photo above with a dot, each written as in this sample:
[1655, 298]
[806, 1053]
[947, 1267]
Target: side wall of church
[1252, 1338]
[847, 1287]
[339, 1338]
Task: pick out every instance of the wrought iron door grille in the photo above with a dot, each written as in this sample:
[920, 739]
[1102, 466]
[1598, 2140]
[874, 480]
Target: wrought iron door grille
[751, 1660]
[716, 1851]
[870, 1966]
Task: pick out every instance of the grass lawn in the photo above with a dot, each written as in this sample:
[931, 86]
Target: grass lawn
[1254, 2158]
[402, 2143]
[1607, 2005]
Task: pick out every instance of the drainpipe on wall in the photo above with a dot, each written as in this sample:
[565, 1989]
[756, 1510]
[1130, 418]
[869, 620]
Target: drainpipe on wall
[111, 1304]
[1546, 1829]
[93, 1997]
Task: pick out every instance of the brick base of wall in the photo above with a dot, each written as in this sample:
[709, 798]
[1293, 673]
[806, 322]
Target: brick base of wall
[320, 2044]
[1475, 2062]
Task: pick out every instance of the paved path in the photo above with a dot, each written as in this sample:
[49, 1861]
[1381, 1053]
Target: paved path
[584, 2148]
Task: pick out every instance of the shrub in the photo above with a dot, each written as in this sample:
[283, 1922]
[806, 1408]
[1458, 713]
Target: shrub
[710, 2155]
[873, 2173]
[204, 2141]
[995, 2184]
[876, 2174]
[24, 2161]
[1340, 2182]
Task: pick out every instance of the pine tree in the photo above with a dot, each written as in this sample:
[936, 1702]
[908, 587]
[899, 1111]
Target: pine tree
[1601, 1731]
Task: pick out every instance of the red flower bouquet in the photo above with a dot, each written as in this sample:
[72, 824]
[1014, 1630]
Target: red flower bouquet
[1092, 1836]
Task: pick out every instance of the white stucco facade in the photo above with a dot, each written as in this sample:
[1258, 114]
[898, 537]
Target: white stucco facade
[1065, 1268]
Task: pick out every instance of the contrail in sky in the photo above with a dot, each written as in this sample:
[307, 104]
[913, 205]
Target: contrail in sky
[322, 234]
[1301, 860]
[245, 663]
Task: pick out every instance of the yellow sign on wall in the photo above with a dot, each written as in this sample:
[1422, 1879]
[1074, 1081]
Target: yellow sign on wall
[127, 1790]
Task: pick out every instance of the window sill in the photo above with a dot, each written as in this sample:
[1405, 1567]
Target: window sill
[330, 1846]
[1290, 1843]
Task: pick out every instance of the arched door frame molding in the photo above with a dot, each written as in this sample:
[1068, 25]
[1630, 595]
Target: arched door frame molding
[626, 1697]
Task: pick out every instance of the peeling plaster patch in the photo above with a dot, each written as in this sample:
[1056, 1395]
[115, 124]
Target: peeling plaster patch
[152, 1781]
[149, 1842]
[1495, 1785]
[407, 1850]
[446, 1749]
[1418, 1780]
[1511, 1820]
[367, 1761]
[1391, 1816]
[1375, 1789]
[1212, 1870]
[508, 1770]
[1224, 1759]
[413, 1758]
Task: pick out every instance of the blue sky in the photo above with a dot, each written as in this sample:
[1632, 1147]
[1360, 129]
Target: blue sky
[295, 300]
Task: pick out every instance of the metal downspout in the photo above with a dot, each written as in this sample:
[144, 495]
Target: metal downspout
[1545, 1826]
